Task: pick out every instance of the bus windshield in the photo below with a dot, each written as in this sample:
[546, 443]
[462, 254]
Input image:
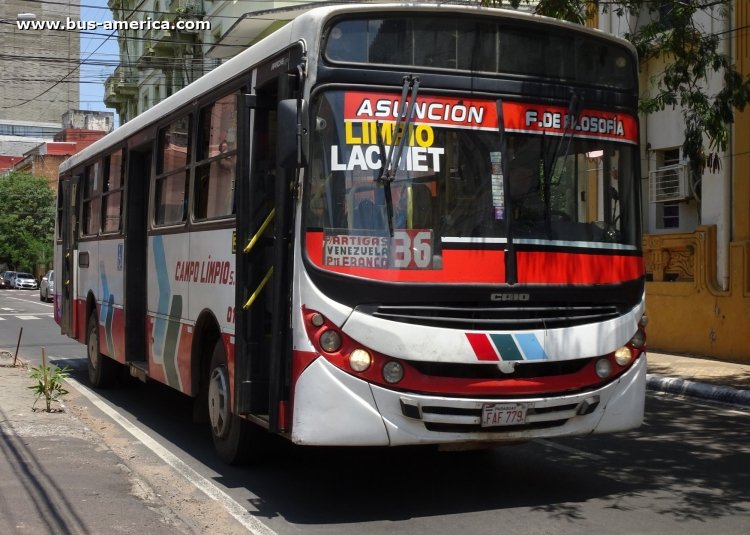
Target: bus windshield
[563, 189]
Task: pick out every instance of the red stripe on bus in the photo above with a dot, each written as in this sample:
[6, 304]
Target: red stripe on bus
[479, 266]
[483, 266]
[483, 348]
[575, 268]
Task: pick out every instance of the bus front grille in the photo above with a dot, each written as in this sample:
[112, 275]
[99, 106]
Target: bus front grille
[529, 369]
[461, 419]
[491, 318]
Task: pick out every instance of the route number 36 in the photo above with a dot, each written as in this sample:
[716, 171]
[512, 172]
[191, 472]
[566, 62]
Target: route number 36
[412, 249]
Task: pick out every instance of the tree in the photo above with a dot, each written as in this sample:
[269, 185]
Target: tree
[668, 29]
[26, 221]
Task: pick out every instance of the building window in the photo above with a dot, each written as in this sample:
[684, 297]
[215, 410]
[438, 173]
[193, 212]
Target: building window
[667, 215]
[666, 16]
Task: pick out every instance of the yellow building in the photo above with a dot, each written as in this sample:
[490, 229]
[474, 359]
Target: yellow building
[698, 294]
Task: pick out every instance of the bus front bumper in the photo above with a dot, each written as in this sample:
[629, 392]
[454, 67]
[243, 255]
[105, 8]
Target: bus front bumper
[332, 407]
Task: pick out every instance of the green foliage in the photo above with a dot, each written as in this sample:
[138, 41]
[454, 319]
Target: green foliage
[26, 221]
[49, 383]
[692, 55]
[670, 30]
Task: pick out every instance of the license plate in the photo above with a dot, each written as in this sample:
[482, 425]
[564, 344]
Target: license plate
[503, 414]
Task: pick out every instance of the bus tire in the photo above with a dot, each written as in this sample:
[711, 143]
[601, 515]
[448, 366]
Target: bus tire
[102, 370]
[232, 435]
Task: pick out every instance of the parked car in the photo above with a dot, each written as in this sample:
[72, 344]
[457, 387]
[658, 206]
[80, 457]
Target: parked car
[47, 286]
[8, 279]
[24, 281]
[2, 279]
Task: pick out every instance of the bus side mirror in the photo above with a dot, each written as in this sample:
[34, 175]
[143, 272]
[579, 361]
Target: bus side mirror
[293, 133]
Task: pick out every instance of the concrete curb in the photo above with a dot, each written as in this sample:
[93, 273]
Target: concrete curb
[674, 385]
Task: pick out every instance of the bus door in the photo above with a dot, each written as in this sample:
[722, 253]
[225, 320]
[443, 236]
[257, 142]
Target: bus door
[135, 265]
[69, 234]
[264, 248]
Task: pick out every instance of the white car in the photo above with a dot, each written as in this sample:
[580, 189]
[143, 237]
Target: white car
[24, 281]
[47, 286]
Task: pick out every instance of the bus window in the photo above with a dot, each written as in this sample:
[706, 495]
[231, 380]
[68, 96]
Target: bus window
[171, 180]
[217, 156]
[91, 181]
[112, 187]
[170, 199]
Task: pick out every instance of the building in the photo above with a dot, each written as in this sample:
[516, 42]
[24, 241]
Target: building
[45, 159]
[36, 66]
[696, 230]
[156, 63]
[79, 130]
[99, 121]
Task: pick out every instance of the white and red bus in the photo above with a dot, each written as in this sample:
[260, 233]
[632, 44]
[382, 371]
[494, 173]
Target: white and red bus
[379, 225]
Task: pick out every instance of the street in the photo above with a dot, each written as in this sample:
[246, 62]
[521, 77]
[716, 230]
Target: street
[684, 471]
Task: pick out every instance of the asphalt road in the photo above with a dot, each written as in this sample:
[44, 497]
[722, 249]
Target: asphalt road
[685, 471]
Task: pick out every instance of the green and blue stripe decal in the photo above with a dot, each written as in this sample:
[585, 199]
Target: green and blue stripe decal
[506, 347]
[167, 318]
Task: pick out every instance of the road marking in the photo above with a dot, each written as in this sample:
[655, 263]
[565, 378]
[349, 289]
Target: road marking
[35, 316]
[568, 449]
[240, 514]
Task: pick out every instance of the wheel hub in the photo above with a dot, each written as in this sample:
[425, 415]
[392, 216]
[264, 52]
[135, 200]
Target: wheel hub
[218, 401]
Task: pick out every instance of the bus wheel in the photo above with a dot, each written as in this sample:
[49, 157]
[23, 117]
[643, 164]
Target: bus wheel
[102, 370]
[231, 434]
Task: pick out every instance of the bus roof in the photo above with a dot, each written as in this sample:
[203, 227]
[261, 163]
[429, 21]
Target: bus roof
[305, 25]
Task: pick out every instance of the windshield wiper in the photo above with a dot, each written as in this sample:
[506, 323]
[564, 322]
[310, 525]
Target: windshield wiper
[392, 161]
[571, 120]
[511, 271]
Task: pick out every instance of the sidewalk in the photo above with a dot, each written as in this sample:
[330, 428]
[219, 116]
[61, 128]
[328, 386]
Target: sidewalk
[704, 378]
[56, 475]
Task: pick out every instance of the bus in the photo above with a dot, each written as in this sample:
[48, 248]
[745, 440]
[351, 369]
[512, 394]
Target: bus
[380, 225]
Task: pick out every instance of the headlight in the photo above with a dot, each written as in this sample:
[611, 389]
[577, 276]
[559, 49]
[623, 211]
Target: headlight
[393, 372]
[317, 319]
[639, 339]
[360, 360]
[623, 356]
[330, 341]
[603, 368]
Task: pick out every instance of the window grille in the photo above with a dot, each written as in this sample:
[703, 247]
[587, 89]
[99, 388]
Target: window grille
[669, 183]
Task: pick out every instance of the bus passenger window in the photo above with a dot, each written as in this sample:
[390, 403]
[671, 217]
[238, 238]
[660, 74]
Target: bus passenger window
[112, 193]
[91, 199]
[217, 156]
[170, 199]
[172, 174]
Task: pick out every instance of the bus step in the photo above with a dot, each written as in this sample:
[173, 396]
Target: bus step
[139, 370]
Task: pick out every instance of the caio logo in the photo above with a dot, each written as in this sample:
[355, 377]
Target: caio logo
[507, 296]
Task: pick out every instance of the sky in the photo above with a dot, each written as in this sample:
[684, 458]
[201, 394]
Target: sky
[99, 56]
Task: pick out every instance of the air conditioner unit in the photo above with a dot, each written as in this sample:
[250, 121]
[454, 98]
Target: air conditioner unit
[669, 183]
